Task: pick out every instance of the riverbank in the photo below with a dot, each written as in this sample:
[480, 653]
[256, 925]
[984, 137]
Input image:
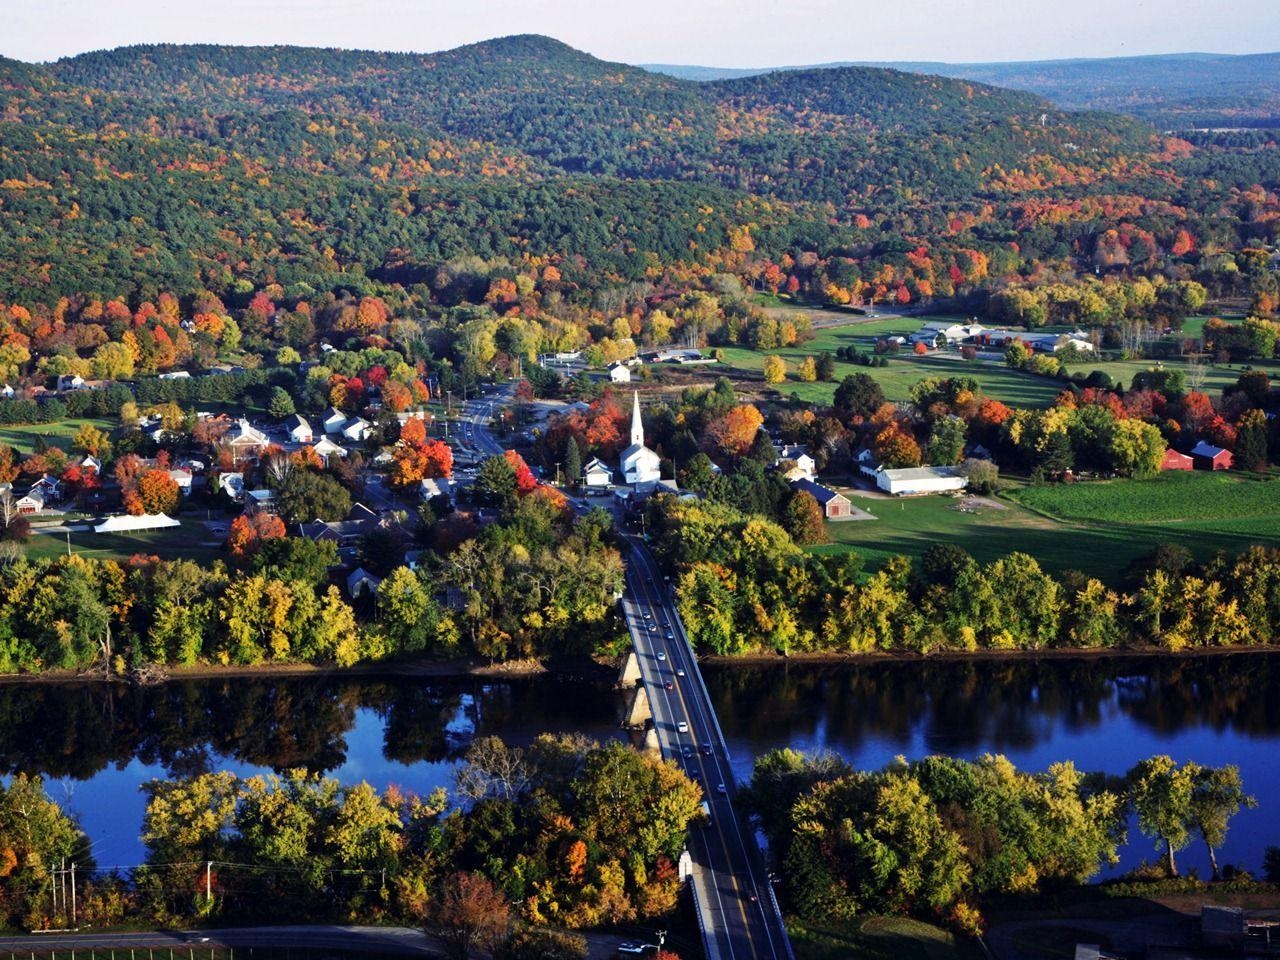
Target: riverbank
[837, 658]
[400, 669]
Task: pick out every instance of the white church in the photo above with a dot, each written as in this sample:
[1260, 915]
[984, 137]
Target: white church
[639, 464]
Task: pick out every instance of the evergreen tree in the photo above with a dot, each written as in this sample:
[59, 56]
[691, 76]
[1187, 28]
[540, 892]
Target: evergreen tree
[281, 404]
[572, 463]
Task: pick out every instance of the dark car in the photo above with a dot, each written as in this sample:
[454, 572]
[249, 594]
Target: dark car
[707, 749]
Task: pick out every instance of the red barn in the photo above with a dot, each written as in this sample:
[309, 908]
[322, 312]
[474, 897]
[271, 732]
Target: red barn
[1208, 457]
[1173, 460]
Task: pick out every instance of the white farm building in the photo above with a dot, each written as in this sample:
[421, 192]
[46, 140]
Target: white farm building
[912, 481]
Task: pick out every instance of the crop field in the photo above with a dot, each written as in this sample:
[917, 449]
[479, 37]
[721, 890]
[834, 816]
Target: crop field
[1174, 497]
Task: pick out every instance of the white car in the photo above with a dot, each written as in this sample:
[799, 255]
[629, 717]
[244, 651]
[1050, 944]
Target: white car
[662, 655]
[682, 727]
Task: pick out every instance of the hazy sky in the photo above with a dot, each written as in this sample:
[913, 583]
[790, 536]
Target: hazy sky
[731, 33]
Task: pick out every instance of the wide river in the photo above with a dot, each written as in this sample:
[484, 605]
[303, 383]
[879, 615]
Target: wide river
[95, 745]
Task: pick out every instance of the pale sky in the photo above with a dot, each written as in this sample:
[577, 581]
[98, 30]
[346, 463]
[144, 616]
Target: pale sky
[724, 33]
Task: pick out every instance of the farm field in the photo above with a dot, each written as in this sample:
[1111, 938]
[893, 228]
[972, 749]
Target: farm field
[904, 370]
[191, 541]
[23, 438]
[877, 938]
[1175, 497]
[1090, 542]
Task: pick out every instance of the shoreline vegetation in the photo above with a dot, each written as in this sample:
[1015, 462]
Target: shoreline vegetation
[461, 669]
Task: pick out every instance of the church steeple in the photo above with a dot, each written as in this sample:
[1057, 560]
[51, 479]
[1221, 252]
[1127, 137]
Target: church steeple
[637, 428]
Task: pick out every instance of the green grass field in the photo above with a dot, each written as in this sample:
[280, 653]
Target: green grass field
[877, 938]
[1248, 512]
[904, 370]
[1172, 498]
[191, 541]
[22, 438]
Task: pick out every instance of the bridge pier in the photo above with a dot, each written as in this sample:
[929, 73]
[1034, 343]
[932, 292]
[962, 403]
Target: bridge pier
[629, 675]
[639, 711]
[651, 744]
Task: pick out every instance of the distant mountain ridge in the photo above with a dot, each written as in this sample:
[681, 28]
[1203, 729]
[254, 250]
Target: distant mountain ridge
[1179, 90]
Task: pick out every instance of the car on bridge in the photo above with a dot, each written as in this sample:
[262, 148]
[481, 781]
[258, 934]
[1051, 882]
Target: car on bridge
[662, 655]
[682, 727]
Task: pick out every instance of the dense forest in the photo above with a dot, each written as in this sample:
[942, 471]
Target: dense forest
[142, 169]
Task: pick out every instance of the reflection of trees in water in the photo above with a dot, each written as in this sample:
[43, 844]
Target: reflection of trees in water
[961, 706]
[77, 729]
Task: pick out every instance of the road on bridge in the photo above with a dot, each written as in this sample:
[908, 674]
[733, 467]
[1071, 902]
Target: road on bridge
[737, 910]
[736, 906]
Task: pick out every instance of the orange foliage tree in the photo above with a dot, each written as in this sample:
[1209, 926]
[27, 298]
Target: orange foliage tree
[157, 492]
[525, 480]
[733, 432]
[248, 532]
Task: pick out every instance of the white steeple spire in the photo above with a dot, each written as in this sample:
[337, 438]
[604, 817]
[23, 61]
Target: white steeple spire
[637, 428]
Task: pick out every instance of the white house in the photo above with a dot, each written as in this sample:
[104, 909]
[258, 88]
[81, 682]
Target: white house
[431, 487]
[183, 478]
[33, 502]
[942, 334]
[90, 462]
[912, 481]
[333, 420]
[49, 487]
[232, 484]
[620, 373]
[246, 441]
[597, 474]
[357, 429]
[7, 392]
[639, 464]
[803, 466]
[298, 428]
[326, 448]
[70, 381]
[175, 375]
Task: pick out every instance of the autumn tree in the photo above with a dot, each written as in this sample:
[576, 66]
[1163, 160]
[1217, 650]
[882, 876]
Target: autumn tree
[525, 480]
[155, 492]
[733, 432]
[804, 519]
[249, 531]
[469, 915]
[775, 369]
[89, 439]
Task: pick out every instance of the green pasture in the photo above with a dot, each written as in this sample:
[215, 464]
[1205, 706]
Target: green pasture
[191, 541]
[23, 438]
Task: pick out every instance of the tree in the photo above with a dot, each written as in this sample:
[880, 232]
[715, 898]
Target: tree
[983, 475]
[407, 612]
[946, 441]
[733, 432]
[826, 367]
[281, 404]
[307, 495]
[805, 519]
[1137, 448]
[157, 492]
[535, 943]
[775, 369]
[857, 396]
[896, 447]
[468, 914]
[807, 372]
[525, 480]
[1251, 441]
[1217, 794]
[89, 439]
[249, 531]
[293, 559]
[572, 463]
[495, 484]
[1162, 797]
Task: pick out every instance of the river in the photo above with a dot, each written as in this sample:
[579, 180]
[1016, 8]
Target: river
[95, 745]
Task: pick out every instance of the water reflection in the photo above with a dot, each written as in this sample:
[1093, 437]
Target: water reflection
[192, 726]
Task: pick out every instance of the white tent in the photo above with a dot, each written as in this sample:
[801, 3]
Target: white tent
[125, 523]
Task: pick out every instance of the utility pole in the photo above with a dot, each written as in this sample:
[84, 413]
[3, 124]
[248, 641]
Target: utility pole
[73, 894]
[208, 882]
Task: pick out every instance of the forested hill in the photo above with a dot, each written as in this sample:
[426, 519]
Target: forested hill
[184, 167]
[560, 105]
[1177, 91]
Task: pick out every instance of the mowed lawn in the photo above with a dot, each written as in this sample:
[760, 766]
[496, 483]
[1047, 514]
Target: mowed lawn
[191, 541]
[877, 938]
[23, 438]
[1198, 498]
[896, 380]
[1091, 536]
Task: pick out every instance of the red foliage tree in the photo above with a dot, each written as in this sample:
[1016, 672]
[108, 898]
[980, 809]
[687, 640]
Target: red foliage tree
[526, 482]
